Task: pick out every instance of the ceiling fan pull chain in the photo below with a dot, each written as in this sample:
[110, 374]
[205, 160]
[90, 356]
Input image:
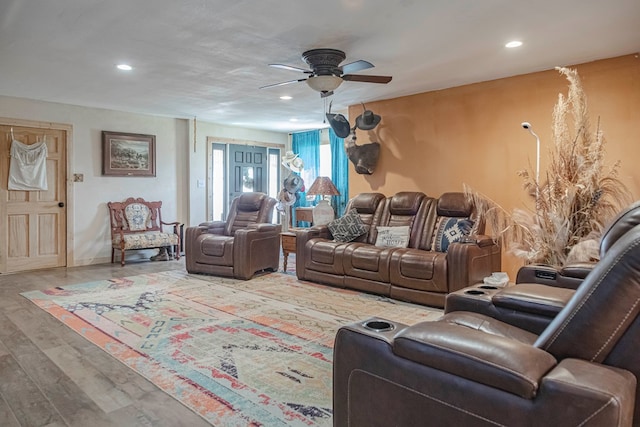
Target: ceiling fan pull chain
[324, 120]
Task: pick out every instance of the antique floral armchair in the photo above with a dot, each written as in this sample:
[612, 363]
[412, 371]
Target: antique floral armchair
[137, 224]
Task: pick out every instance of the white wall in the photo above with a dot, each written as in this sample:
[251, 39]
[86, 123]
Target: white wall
[177, 167]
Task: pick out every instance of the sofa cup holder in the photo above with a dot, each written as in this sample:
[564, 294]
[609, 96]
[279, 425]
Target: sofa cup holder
[474, 292]
[488, 287]
[378, 325]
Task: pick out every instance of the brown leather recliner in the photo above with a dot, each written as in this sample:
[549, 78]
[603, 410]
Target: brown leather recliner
[239, 247]
[470, 370]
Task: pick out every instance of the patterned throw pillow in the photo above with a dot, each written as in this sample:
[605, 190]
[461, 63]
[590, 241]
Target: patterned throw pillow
[393, 237]
[347, 227]
[449, 230]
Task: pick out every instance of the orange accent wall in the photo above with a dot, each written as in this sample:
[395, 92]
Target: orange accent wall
[437, 141]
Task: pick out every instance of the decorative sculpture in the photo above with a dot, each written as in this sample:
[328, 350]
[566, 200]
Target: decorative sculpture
[364, 157]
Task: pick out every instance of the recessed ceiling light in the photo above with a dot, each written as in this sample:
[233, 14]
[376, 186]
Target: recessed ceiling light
[124, 67]
[286, 97]
[514, 43]
[293, 120]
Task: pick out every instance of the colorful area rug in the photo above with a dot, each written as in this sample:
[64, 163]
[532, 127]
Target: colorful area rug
[239, 353]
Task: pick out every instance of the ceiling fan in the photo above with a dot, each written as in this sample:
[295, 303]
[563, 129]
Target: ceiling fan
[326, 74]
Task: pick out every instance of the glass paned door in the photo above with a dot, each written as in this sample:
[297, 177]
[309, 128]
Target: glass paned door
[218, 182]
[237, 169]
[248, 168]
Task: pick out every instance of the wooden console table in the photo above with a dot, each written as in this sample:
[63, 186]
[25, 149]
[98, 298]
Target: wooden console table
[288, 240]
[304, 214]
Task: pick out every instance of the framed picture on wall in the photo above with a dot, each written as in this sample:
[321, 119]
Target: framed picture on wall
[128, 154]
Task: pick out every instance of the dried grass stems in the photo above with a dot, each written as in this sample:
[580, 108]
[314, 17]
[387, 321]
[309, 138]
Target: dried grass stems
[580, 194]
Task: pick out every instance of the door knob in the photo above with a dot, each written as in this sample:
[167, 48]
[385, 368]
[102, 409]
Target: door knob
[61, 204]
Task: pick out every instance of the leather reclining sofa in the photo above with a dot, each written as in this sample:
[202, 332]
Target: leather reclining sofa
[417, 273]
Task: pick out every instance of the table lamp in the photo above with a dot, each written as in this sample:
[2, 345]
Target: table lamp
[323, 212]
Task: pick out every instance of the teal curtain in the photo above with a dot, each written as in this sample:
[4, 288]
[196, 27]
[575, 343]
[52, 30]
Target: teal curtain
[307, 146]
[339, 172]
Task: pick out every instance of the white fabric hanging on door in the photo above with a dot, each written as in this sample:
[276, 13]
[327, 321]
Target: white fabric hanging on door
[28, 166]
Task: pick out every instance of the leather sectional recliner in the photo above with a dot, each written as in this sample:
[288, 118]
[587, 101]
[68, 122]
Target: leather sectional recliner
[469, 369]
[417, 273]
[571, 275]
[533, 305]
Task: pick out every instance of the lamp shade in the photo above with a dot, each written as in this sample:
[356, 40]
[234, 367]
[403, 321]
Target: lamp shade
[324, 83]
[323, 186]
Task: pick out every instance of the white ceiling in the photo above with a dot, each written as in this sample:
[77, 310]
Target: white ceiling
[207, 58]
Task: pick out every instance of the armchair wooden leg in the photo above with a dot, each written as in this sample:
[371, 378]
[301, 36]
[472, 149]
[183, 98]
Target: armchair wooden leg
[122, 257]
[113, 255]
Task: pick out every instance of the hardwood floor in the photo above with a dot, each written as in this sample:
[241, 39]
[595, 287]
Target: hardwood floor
[51, 376]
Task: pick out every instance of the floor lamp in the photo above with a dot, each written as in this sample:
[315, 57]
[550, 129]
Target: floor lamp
[527, 126]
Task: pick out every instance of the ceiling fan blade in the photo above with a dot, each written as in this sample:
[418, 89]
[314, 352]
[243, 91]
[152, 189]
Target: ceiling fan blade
[366, 79]
[290, 68]
[282, 84]
[356, 66]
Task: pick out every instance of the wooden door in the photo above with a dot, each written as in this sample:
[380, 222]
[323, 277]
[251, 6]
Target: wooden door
[248, 169]
[33, 223]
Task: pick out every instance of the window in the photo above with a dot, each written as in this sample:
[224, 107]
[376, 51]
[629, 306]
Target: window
[218, 181]
[325, 160]
[324, 155]
[274, 178]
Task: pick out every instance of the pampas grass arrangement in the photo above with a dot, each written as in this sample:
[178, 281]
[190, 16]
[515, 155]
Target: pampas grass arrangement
[580, 194]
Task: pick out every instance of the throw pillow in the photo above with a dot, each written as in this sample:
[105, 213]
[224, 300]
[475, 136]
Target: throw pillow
[449, 230]
[347, 227]
[585, 251]
[393, 237]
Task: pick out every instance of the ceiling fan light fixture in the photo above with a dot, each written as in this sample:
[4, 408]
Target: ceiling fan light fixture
[324, 83]
[512, 44]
